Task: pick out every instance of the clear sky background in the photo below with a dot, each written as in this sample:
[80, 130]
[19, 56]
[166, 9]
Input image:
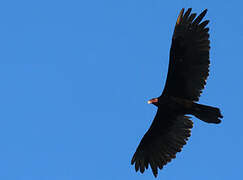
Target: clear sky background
[75, 78]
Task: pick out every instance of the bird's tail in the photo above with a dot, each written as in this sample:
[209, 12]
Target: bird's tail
[207, 113]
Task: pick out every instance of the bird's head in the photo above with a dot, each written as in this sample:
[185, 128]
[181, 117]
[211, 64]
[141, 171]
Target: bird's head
[154, 101]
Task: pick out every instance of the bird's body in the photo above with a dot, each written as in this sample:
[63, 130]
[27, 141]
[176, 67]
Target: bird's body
[187, 74]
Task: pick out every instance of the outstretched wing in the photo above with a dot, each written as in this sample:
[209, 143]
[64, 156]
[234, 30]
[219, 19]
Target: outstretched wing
[166, 136]
[189, 57]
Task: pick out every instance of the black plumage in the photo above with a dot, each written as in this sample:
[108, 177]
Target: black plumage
[187, 74]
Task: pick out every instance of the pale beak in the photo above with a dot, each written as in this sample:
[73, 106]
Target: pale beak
[154, 100]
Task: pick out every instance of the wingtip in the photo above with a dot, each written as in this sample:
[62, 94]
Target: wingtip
[133, 160]
[189, 10]
[155, 173]
[205, 11]
[180, 16]
[137, 165]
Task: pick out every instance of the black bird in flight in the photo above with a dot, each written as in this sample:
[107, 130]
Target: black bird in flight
[187, 74]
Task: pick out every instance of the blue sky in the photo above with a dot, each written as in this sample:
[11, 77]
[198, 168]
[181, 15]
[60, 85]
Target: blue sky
[75, 78]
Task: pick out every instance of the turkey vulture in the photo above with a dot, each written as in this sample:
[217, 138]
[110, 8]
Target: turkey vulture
[187, 74]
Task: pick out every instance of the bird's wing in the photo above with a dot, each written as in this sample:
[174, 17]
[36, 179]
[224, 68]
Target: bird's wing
[189, 57]
[166, 136]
